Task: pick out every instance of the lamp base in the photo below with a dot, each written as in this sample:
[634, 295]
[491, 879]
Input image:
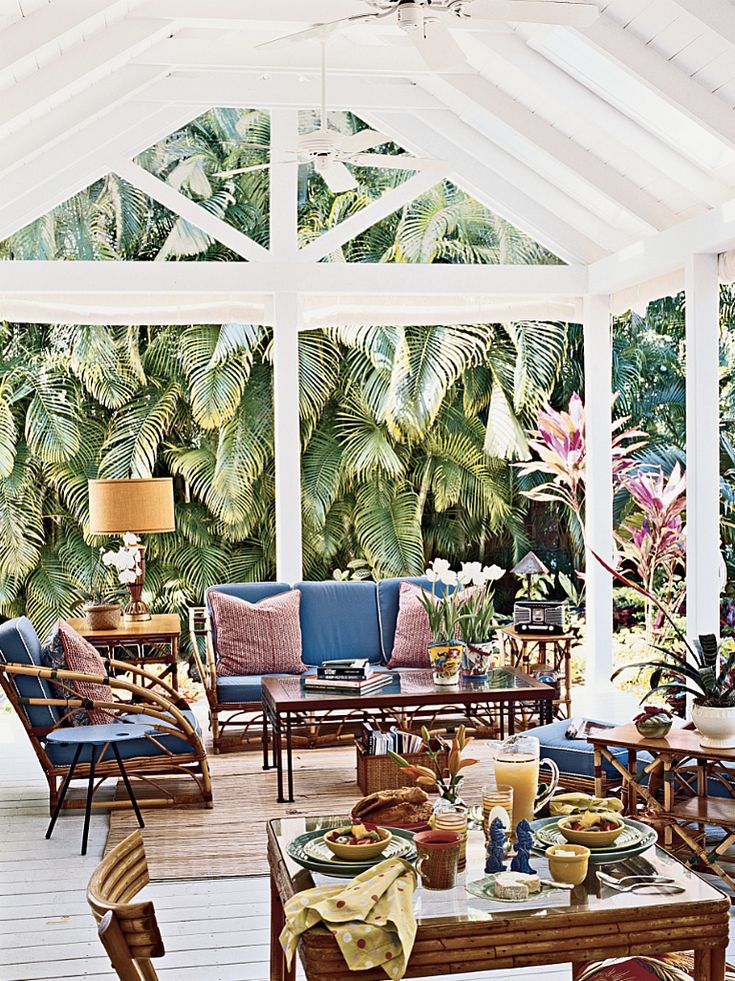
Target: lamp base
[136, 613]
[137, 609]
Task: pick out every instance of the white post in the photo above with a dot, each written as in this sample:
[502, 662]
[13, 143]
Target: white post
[287, 437]
[599, 496]
[703, 445]
[284, 247]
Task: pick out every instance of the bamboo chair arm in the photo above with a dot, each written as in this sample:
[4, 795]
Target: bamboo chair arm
[147, 702]
[200, 631]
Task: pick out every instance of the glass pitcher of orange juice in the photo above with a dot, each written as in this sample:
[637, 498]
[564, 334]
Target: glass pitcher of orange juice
[517, 765]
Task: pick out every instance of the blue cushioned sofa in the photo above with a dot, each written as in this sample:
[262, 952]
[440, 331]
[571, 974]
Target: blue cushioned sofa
[338, 619]
[44, 700]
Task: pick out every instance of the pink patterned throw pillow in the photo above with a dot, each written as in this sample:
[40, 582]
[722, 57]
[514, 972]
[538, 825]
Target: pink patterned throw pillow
[257, 638]
[81, 656]
[412, 635]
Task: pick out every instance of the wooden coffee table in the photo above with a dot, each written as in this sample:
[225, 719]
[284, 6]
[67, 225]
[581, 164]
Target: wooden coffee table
[411, 700]
[458, 934]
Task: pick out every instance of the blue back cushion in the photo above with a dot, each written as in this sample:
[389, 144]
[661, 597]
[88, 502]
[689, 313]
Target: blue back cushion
[339, 619]
[20, 645]
[389, 591]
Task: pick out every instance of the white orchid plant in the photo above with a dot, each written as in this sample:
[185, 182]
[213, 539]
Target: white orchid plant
[127, 561]
[454, 612]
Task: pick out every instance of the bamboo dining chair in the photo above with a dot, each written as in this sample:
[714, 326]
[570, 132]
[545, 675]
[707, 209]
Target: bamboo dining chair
[128, 930]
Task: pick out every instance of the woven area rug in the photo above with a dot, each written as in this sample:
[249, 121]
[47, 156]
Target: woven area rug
[230, 839]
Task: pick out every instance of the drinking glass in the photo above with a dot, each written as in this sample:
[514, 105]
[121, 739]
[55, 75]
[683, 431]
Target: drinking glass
[494, 796]
[454, 819]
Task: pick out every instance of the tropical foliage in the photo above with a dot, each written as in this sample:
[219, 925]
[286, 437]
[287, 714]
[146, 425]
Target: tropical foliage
[406, 431]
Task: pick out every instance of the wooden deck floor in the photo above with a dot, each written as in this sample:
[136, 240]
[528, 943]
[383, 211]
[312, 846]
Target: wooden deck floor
[214, 930]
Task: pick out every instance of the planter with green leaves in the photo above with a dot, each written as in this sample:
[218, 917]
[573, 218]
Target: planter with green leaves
[442, 612]
[476, 620]
[103, 608]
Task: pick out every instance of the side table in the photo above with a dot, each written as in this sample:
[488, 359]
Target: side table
[154, 641]
[97, 739]
[554, 651]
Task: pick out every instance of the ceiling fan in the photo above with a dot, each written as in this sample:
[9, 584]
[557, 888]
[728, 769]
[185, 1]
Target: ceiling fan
[425, 22]
[329, 150]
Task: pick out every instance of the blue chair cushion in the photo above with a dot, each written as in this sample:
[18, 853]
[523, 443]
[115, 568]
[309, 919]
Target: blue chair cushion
[241, 688]
[62, 755]
[389, 592]
[339, 619]
[19, 644]
[576, 756]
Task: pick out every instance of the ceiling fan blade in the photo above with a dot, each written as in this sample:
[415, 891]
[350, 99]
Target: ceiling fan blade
[437, 46]
[366, 139]
[338, 178]
[563, 12]
[399, 161]
[243, 170]
[317, 31]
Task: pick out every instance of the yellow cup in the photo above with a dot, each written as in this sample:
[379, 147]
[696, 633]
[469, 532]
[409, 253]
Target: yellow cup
[568, 867]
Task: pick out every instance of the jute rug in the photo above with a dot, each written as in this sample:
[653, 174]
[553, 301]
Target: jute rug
[230, 839]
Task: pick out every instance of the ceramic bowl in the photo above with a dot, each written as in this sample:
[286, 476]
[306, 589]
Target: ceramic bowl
[358, 853]
[571, 869]
[592, 839]
[654, 730]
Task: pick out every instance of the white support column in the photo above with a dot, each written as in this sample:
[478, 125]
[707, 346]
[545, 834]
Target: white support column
[703, 444]
[599, 497]
[287, 437]
[284, 185]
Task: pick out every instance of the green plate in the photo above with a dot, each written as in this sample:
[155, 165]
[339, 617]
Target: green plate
[483, 889]
[302, 851]
[634, 840]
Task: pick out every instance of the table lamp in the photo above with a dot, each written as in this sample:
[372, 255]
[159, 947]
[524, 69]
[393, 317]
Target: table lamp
[141, 506]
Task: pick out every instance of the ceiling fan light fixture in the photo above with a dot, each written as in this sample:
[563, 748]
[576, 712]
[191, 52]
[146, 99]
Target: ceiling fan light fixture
[410, 16]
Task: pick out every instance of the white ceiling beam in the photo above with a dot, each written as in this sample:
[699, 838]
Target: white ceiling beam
[192, 212]
[122, 85]
[54, 23]
[663, 76]
[495, 179]
[345, 57]
[83, 158]
[334, 278]
[718, 15]
[235, 13]
[82, 65]
[481, 93]
[284, 90]
[666, 252]
[581, 101]
[391, 201]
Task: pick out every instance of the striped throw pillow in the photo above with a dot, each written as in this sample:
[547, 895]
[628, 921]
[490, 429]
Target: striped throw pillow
[80, 655]
[257, 638]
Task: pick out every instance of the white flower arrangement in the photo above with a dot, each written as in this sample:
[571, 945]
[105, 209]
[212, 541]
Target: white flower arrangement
[127, 560]
[449, 612]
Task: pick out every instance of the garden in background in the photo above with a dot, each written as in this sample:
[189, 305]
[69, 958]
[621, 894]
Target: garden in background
[465, 442]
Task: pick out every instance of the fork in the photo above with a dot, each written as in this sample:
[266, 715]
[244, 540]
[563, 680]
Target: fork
[647, 884]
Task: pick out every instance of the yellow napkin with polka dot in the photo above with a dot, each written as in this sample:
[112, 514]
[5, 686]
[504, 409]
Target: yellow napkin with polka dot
[371, 918]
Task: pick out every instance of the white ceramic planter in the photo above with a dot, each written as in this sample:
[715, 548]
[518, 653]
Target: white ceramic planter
[716, 726]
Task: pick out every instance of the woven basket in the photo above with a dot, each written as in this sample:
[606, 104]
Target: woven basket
[376, 773]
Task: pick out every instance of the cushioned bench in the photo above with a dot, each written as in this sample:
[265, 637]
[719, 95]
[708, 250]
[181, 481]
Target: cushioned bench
[338, 620]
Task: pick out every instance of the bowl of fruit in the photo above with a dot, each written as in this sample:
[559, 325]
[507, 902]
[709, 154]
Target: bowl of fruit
[594, 830]
[654, 722]
[358, 842]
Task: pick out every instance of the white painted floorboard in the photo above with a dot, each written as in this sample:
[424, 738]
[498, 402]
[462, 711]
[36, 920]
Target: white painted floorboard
[213, 930]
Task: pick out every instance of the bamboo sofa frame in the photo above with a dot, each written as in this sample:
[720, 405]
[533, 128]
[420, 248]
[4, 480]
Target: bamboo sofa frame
[152, 697]
[128, 930]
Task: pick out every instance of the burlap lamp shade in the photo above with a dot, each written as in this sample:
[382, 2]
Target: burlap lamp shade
[143, 506]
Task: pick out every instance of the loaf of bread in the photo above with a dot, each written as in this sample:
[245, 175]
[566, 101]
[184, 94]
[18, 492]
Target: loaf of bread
[405, 806]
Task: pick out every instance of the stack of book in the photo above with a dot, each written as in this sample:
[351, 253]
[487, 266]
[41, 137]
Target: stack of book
[350, 675]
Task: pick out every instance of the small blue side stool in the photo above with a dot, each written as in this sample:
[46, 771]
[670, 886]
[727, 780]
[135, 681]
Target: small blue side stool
[95, 738]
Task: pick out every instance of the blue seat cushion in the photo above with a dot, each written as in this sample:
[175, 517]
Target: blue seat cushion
[252, 592]
[389, 592]
[339, 619]
[19, 644]
[576, 756]
[62, 755]
[241, 688]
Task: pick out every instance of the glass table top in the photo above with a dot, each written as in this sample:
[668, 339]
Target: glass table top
[457, 905]
[412, 682]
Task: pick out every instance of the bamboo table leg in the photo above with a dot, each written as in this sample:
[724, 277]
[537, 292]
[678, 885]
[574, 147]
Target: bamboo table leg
[279, 970]
[598, 772]
[718, 961]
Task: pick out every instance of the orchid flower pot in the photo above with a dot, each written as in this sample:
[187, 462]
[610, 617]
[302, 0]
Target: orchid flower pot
[716, 725]
[476, 660]
[102, 616]
[446, 661]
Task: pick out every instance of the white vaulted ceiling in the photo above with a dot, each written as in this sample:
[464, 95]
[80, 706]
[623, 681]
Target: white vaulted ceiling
[593, 140]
